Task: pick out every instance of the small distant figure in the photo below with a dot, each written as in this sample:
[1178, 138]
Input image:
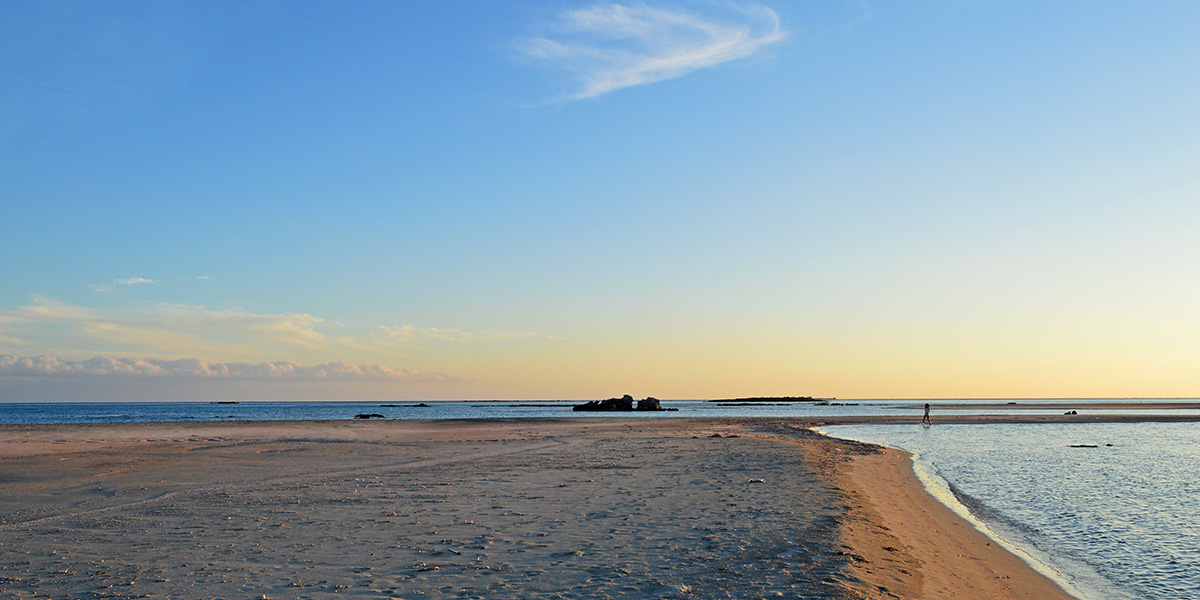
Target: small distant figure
[925, 420]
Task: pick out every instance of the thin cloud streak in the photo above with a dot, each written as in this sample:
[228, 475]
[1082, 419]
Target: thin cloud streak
[407, 333]
[105, 289]
[133, 281]
[227, 333]
[169, 328]
[195, 368]
[14, 341]
[615, 46]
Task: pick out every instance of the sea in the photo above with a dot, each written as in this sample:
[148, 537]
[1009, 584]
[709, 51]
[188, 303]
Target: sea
[1109, 510]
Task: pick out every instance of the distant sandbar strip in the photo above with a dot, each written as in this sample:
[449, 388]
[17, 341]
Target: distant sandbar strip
[960, 419]
[1063, 406]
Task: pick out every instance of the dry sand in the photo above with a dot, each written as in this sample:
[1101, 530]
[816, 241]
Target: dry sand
[570, 508]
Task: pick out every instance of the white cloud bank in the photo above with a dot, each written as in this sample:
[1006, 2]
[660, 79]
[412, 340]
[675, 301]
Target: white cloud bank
[613, 46]
[195, 368]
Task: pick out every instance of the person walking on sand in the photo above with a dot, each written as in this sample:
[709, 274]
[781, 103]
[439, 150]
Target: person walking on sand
[925, 420]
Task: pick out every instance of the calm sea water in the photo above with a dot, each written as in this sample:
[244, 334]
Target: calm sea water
[1118, 521]
[148, 412]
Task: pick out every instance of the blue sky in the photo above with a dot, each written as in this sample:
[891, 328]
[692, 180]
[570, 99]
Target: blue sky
[575, 200]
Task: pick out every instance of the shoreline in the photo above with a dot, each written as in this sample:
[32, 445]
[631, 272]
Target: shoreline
[526, 491]
[982, 563]
[895, 523]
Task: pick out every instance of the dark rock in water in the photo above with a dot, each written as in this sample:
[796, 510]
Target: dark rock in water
[421, 405]
[369, 416]
[1084, 446]
[624, 403]
[612, 404]
[649, 404]
[389, 406]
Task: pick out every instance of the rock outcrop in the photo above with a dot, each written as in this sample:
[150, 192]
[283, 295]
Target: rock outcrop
[649, 404]
[624, 403]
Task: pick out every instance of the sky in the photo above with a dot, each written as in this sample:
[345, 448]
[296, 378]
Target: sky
[576, 200]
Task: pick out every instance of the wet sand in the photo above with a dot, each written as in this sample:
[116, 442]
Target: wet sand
[552, 508]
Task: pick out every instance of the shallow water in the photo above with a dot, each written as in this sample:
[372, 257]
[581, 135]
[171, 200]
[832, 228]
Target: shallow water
[1119, 520]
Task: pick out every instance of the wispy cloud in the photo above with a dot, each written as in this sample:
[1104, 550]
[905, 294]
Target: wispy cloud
[168, 328]
[608, 47]
[289, 329]
[127, 281]
[405, 333]
[161, 329]
[4, 339]
[195, 368]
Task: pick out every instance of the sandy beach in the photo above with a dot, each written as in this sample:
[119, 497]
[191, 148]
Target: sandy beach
[563, 508]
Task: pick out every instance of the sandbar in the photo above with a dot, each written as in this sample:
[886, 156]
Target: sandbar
[1064, 405]
[512, 508]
